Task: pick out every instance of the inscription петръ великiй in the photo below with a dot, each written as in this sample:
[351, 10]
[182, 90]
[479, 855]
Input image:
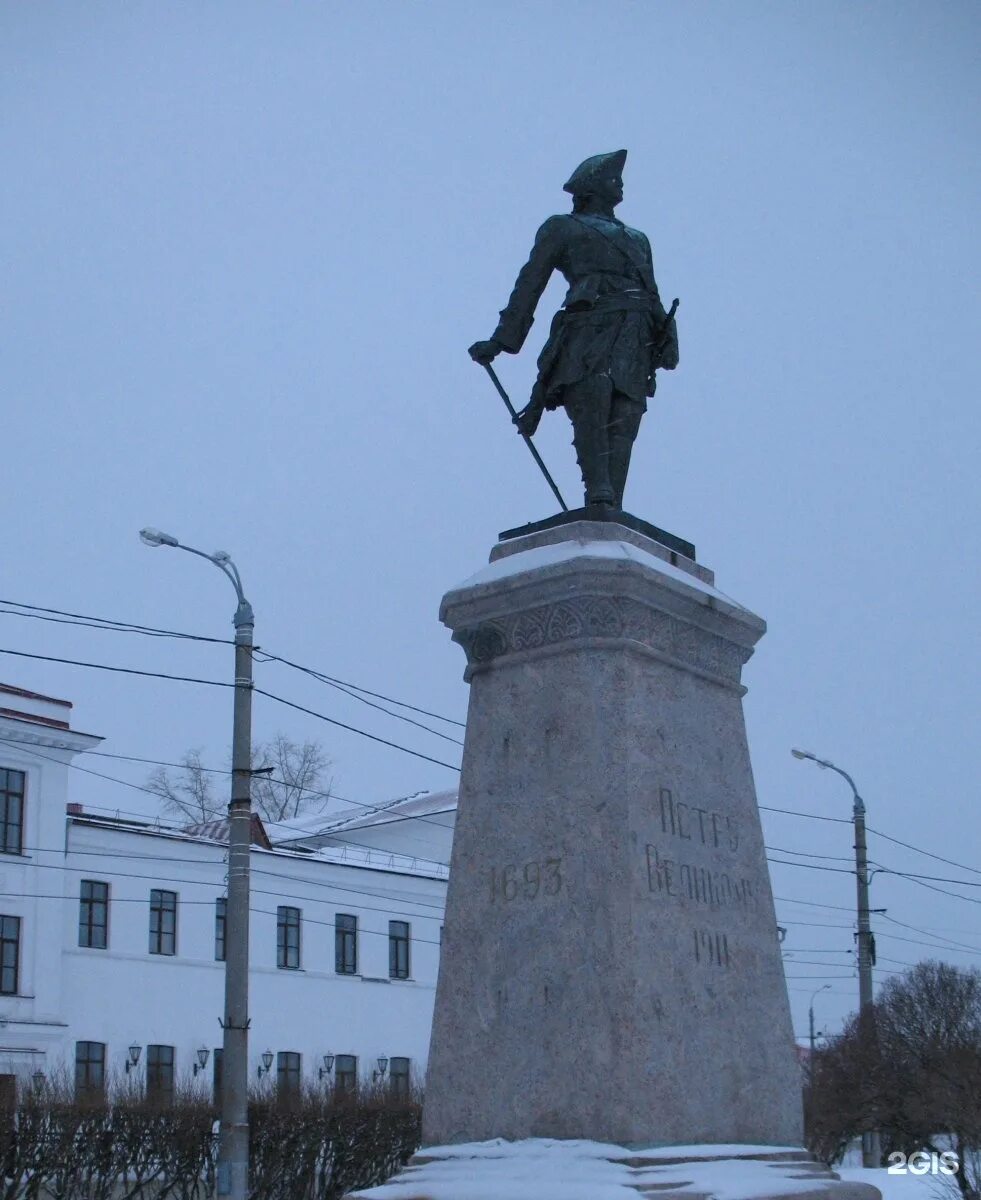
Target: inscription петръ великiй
[702, 885]
[677, 820]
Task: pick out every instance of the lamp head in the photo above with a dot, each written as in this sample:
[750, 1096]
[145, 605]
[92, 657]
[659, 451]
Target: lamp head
[154, 537]
[267, 1057]
[802, 754]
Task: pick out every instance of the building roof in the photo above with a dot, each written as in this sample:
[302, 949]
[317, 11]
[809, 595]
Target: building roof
[348, 855]
[216, 830]
[418, 805]
[8, 689]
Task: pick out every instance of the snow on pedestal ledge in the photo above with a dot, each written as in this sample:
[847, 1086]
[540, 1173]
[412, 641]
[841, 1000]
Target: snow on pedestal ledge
[548, 1169]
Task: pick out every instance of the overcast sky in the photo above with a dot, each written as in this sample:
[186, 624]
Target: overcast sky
[245, 247]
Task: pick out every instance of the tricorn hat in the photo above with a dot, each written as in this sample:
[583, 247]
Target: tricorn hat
[597, 167]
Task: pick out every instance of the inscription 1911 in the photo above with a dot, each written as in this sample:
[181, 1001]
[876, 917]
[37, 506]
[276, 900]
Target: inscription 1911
[711, 948]
[528, 881]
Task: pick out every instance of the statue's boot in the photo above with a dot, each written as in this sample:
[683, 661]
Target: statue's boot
[592, 445]
[620, 448]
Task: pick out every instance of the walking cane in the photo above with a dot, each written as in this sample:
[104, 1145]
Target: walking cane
[528, 442]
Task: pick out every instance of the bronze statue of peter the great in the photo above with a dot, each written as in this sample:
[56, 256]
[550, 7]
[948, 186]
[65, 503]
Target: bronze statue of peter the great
[608, 338]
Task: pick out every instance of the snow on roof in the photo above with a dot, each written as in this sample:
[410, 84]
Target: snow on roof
[420, 804]
[379, 860]
[372, 859]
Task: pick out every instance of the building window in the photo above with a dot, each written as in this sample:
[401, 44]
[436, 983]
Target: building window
[217, 1061]
[9, 955]
[93, 914]
[220, 906]
[345, 944]
[398, 1075]
[288, 938]
[11, 811]
[346, 1072]
[90, 1068]
[163, 922]
[287, 1074]
[160, 1073]
[398, 949]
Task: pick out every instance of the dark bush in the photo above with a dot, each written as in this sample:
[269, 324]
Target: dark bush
[318, 1146]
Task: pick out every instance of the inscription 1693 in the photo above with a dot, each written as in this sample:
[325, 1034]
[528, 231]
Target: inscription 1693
[529, 880]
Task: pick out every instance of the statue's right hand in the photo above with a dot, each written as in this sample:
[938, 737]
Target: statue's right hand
[485, 352]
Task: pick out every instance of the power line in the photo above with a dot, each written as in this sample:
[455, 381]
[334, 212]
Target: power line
[816, 924]
[919, 850]
[929, 933]
[74, 662]
[913, 878]
[342, 684]
[354, 693]
[934, 878]
[813, 904]
[809, 866]
[807, 854]
[931, 945]
[352, 729]
[790, 812]
[819, 976]
[943, 891]
[104, 623]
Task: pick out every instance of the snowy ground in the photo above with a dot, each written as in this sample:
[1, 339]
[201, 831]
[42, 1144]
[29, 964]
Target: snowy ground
[902, 1187]
[541, 1169]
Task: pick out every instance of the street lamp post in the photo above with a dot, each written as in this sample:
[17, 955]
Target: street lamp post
[871, 1154]
[810, 1016]
[233, 1144]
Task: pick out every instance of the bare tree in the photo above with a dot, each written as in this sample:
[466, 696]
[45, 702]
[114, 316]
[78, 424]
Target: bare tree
[918, 1079]
[191, 792]
[295, 785]
[298, 782]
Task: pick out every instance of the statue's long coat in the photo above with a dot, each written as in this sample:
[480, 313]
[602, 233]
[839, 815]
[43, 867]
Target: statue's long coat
[612, 321]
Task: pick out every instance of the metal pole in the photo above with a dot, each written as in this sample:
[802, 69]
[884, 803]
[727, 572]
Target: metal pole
[810, 1013]
[233, 1146]
[871, 1147]
[233, 1135]
[871, 1151]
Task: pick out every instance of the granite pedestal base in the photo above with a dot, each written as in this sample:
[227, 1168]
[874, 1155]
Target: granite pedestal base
[610, 967]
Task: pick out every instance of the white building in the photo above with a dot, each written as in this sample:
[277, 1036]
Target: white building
[112, 929]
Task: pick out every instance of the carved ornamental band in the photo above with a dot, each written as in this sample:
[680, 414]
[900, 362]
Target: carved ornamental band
[606, 617]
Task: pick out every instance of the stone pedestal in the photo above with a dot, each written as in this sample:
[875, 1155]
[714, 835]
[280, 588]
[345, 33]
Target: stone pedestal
[610, 964]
